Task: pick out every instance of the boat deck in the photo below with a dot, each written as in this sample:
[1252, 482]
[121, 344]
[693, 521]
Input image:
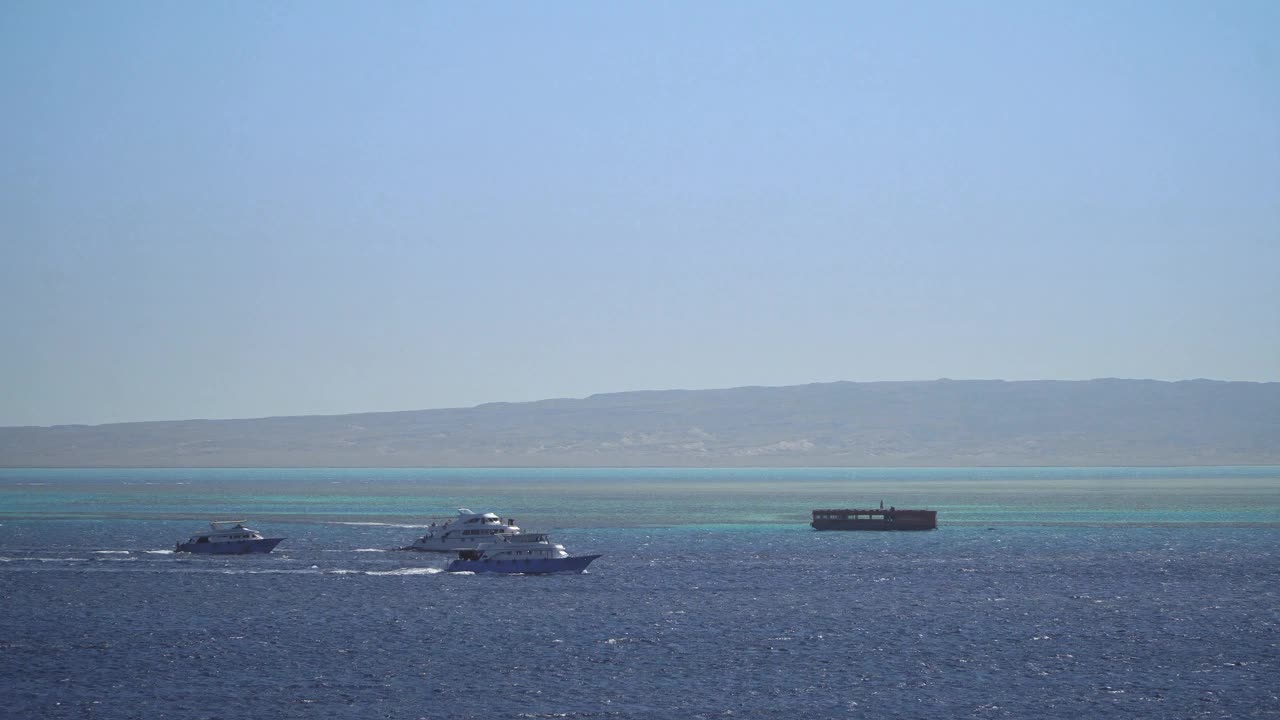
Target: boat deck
[875, 519]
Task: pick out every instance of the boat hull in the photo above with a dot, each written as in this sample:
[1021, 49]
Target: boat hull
[876, 519]
[235, 547]
[870, 525]
[532, 566]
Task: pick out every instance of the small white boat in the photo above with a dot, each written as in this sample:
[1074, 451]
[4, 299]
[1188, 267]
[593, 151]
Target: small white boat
[529, 553]
[228, 537]
[466, 531]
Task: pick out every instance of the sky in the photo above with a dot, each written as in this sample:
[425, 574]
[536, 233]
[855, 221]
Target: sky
[246, 209]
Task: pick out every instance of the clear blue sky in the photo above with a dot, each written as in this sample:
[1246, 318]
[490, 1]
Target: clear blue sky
[240, 209]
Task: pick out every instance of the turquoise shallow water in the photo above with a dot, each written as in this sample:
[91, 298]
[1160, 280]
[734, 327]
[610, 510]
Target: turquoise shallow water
[648, 497]
[1060, 593]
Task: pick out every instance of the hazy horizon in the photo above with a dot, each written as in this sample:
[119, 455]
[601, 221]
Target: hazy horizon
[244, 210]
[637, 390]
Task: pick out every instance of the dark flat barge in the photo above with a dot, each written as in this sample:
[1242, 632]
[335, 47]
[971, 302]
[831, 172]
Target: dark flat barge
[881, 519]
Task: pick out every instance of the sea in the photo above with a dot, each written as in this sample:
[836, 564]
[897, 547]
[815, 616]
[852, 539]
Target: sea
[1044, 593]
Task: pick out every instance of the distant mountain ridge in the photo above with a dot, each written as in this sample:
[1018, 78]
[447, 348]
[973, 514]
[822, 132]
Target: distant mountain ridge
[855, 424]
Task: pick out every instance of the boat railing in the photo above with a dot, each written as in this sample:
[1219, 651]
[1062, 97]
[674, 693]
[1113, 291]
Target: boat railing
[226, 524]
[527, 538]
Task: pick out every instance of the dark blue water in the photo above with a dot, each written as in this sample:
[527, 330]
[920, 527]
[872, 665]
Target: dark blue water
[1094, 593]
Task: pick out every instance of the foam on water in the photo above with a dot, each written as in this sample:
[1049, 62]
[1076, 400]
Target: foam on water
[1064, 603]
[267, 571]
[406, 571]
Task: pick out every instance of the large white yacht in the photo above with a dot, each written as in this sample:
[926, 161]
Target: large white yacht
[228, 537]
[529, 553]
[464, 532]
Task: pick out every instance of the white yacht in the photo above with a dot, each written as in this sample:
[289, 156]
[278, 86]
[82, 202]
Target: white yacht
[465, 532]
[228, 537]
[529, 553]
